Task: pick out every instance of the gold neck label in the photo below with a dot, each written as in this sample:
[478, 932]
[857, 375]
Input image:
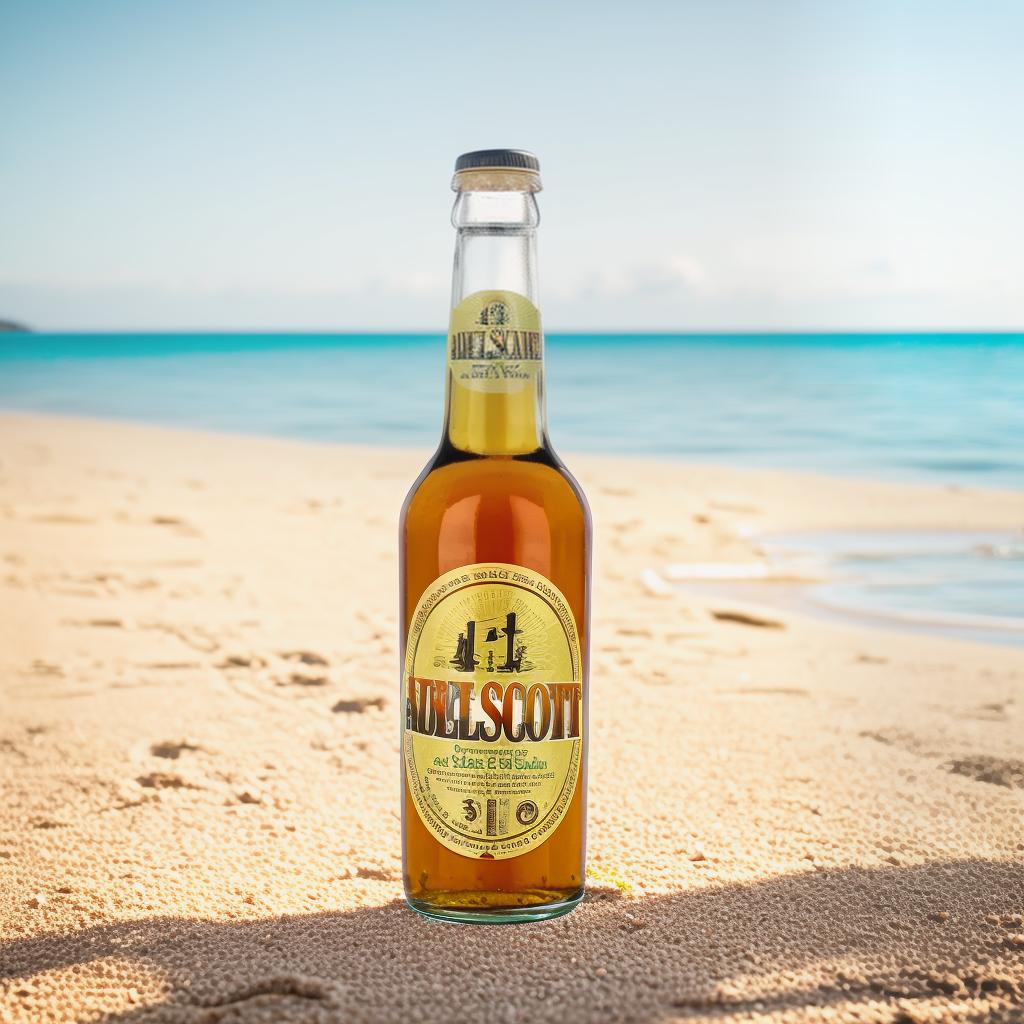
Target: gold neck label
[495, 344]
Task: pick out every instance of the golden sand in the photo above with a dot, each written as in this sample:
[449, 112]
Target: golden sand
[199, 758]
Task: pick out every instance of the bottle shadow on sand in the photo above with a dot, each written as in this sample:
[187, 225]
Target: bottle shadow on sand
[894, 937]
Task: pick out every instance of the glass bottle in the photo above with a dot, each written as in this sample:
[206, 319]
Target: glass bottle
[495, 544]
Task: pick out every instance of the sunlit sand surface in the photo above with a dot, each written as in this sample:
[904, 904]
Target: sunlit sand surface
[791, 819]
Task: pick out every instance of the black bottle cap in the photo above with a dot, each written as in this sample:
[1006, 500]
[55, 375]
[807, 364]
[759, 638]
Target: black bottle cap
[518, 159]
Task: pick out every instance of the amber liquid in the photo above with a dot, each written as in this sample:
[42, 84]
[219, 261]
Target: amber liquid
[525, 510]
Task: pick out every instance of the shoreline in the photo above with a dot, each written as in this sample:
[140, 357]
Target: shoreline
[571, 456]
[198, 658]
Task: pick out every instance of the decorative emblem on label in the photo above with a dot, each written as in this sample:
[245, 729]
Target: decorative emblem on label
[493, 709]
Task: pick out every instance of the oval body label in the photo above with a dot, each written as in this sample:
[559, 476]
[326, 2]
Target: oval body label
[492, 738]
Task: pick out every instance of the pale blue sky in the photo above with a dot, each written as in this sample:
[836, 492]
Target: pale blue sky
[723, 164]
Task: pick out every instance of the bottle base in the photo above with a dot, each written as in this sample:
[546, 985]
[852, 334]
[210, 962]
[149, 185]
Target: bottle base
[450, 909]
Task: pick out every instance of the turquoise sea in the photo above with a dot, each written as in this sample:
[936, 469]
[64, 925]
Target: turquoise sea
[939, 407]
[945, 408]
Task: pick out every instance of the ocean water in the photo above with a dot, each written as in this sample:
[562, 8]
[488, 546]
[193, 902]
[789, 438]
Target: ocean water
[938, 407]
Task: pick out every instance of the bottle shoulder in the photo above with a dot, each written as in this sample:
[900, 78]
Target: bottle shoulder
[539, 477]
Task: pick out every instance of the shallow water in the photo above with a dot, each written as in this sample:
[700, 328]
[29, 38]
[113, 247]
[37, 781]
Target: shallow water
[956, 583]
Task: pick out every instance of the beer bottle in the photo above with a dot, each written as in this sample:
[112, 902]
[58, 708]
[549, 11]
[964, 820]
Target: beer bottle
[495, 593]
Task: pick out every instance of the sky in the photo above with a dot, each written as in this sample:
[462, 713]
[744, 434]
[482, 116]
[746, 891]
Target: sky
[707, 165]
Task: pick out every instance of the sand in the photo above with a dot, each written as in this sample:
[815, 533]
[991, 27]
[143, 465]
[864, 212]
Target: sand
[199, 758]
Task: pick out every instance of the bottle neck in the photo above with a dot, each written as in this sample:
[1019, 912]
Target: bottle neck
[495, 381]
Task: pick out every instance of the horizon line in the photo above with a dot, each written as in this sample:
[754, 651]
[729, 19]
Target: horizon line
[437, 332]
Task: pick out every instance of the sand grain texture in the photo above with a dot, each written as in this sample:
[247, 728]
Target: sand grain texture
[199, 758]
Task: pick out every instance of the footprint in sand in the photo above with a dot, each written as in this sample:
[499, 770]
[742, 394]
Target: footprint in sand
[358, 705]
[301, 679]
[872, 659]
[996, 771]
[303, 657]
[377, 874]
[165, 780]
[746, 619]
[10, 747]
[995, 711]
[48, 823]
[278, 992]
[180, 526]
[172, 750]
[242, 661]
[45, 668]
[896, 738]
